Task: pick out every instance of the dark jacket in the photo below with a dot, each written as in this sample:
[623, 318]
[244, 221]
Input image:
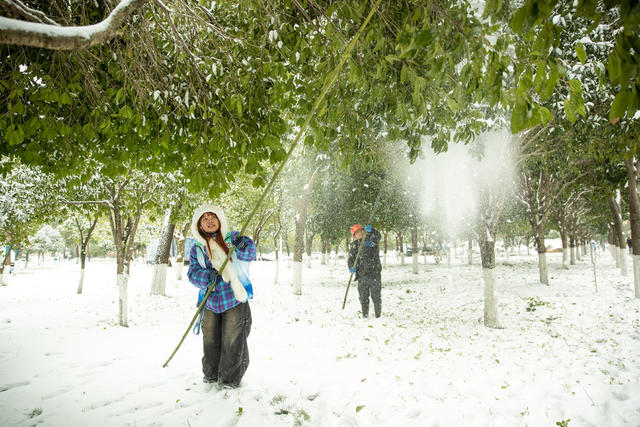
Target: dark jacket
[369, 261]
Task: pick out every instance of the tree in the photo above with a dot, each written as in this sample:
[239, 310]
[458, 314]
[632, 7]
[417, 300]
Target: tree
[633, 174]
[493, 175]
[125, 198]
[24, 196]
[607, 29]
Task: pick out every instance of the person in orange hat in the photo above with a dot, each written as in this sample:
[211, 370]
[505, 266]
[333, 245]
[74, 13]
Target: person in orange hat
[368, 268]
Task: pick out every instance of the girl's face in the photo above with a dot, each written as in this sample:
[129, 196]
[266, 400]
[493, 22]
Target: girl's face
[209, 222]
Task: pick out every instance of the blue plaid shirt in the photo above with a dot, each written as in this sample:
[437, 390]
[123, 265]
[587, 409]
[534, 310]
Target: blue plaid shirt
[221, 299]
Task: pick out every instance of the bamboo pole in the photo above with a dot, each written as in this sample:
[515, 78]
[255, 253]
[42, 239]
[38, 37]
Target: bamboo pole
[267, 190]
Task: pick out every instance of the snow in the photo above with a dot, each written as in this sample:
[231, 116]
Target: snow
[565, 352]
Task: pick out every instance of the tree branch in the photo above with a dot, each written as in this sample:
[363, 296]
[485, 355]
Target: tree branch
[48, 36]
[17, 9]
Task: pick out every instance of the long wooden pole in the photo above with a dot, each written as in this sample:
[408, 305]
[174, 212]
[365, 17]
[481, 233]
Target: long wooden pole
[267, 190]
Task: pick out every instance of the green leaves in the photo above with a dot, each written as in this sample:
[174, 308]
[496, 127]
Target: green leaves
[491, 7]
[581, 53]
[574, 105]
[623, 101]
[14, 134]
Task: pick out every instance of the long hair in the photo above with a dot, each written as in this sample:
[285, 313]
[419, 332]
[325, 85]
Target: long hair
[219, 239]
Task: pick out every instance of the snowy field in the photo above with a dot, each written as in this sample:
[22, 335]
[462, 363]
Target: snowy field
[566, 354]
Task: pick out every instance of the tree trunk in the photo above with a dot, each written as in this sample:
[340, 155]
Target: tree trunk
[470, 252]
[123, 231]
[542, 256]
[308, 245]
[83, 260]
[123, 292]
[572, 250]
[278, 245]
[634, 219]
[565, 249]
[301, 220]
[84, 243]
[159, 277]
[323, 257]
[617, 224]
[4, 270]
[180, 241]
[401, 243]
[384, 253]
[414, 245]
[488, 256]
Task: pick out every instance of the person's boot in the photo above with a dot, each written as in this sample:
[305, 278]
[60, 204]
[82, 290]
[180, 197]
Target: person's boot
[377, 308]
[365, 311]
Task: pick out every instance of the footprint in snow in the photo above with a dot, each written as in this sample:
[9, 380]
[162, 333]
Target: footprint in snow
[5, 387]
[103, 403]
[620, 396]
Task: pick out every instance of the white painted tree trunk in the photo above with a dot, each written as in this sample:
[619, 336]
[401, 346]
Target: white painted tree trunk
[414, 267]
[636, 274]
[123, 289]
[4, 277]
[178, 268]
[323, 260]
[81, 281]
[622, 254]
[308, 261]
[401, 258]
[470, 253]
[490, 298]
[275, 279]
[297, 277]
[542, 267]
[448, 258]
[159, 280]
[565, 258]
[572, 255]
[615, 253]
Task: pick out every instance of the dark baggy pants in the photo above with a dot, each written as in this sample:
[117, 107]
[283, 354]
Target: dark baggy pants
[226, 354]
[370, 284]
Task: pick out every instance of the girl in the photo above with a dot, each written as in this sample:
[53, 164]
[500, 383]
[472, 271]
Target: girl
[226, 319]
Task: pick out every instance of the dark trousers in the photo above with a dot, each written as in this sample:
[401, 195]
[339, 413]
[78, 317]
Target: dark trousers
[370, 284]
[226, 355]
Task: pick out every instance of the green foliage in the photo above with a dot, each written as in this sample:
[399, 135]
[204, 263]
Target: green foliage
[535, 302]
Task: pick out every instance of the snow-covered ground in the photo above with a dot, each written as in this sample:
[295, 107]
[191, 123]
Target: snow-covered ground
[565, 353]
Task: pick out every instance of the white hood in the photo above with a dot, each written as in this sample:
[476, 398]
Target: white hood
[218, 255]
[224, 227]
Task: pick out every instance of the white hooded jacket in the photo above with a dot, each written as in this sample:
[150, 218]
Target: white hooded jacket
[218, 255]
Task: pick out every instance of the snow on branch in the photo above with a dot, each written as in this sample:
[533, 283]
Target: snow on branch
[17, 9]
[50, 36]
